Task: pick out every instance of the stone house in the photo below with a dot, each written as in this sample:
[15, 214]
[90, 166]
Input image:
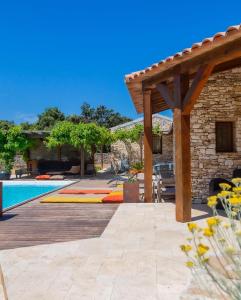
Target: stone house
[216, 131]
[201, 84]
[162, 145]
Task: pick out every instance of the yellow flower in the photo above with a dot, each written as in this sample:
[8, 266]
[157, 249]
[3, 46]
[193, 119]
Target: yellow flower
[189, 264]
[236, 181]
[202, 249]
[192, 227]
[237, 189]
[212, 201]
[208, 232]
[226, 225]
[224, 194]
[235, 201]
[225, 186]
[186, 248]
[214, 221]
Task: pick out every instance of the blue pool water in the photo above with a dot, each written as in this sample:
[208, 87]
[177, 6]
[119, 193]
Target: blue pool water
[15, 194]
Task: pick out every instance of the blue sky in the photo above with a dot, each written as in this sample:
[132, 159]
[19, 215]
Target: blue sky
[61, 53]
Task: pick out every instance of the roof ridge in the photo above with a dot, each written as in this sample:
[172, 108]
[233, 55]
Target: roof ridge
[217, 37]
[139, 120]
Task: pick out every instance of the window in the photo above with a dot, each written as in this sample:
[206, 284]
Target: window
[157, 144]
[224, 137]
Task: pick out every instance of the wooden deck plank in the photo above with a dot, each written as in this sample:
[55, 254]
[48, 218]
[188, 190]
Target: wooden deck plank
[35, 223]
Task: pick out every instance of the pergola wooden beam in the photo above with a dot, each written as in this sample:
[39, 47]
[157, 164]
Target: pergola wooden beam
[184, 98]
[196, 87]
[165, 94]
[182, 151]
[147, 146]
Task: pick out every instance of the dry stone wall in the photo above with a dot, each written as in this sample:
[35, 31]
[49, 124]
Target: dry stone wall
[219, 101]
[132, 151]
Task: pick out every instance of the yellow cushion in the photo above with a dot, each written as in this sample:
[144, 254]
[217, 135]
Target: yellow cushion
[116, 193]
[119, 185]
[58, 199]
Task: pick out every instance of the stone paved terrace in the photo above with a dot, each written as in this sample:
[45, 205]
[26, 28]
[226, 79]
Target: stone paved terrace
[136, 258]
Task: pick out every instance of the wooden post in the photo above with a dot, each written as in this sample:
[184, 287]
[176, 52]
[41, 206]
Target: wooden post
[1, 198]
[182, 166]
[182, 153]
[147, 146]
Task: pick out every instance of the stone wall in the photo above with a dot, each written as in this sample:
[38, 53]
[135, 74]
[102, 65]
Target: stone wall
[219, 101]
[106, 160]
[132, 151]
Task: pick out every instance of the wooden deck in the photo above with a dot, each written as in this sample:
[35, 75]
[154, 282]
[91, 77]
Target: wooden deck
[35, 223]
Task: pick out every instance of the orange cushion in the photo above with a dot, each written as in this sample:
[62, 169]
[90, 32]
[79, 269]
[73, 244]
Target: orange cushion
[85, 192]
[42, 177]
[113, 199]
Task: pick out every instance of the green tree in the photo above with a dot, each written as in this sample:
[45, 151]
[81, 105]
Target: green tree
[89, 137]
[27, 126]
[48, 118]
[6, 125]
[75, 119]
[12, 142]
[101, 115]
[60, 136]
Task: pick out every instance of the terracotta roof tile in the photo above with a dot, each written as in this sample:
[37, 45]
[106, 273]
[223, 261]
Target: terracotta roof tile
[195, 47]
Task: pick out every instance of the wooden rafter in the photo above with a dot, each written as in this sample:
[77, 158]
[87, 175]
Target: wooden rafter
[196, 87]
[166, 94]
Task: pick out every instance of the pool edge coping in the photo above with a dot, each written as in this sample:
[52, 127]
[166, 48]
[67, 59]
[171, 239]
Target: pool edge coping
[39, 196]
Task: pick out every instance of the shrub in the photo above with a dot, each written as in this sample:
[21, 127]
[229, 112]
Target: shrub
[213, 251]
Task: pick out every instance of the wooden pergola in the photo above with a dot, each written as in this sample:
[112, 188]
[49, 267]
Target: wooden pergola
[176, 83]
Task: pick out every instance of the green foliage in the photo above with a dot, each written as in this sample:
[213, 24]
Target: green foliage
[134, 134]
[48, 118]
[27, 126]
[12, 142]
[157, 130]
[138, 166]
[60, 134]
[75, 119]
[129, 135]
[101, 115]
[6, 125]
[90, 136]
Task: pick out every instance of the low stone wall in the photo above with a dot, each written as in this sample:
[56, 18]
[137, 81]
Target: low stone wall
[219, 101]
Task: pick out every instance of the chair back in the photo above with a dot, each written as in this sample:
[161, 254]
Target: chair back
[214, 187]
[236, 173]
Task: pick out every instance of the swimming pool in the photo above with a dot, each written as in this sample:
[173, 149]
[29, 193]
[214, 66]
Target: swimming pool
[17, 192]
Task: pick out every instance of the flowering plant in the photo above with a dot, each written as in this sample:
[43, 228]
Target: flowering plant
[214, 250]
